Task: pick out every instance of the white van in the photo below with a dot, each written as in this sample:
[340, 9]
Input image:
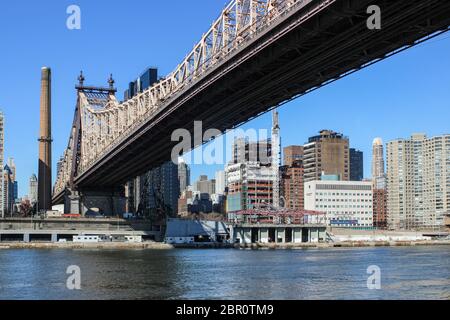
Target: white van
[133, 239]
[86, 239]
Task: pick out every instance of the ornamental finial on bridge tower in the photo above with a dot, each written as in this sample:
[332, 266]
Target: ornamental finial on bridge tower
[81, 79]
[111, 82]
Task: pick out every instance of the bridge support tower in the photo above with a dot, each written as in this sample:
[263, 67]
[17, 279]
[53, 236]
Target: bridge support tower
[109, 202]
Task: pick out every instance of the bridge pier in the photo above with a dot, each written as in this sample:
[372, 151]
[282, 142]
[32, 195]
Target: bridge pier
[108, 202]
[72, 202]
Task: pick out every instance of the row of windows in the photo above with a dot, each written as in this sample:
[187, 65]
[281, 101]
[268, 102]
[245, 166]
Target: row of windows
[343, 200]
[344, 206]
[344, 194]
[343, 187]
[351, 213]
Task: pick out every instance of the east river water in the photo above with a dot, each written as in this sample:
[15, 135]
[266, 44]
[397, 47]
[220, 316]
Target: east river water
[405, 273]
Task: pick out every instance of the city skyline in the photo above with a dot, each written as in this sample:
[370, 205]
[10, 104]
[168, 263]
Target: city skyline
[322, 159]
[352, 105]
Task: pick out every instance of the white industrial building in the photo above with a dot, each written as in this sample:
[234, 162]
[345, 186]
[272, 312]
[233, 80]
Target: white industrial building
[348, 204]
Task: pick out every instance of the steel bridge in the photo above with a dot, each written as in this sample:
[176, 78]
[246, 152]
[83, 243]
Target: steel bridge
[256, 56]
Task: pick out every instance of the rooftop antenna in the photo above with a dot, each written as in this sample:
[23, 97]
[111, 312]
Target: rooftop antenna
[81, 78]
[111, 82]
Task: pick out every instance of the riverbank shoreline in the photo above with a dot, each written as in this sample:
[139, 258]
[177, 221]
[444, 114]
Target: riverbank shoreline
[88, 246]
[255, 246]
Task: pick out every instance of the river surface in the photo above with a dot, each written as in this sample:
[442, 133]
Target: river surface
[406, 273]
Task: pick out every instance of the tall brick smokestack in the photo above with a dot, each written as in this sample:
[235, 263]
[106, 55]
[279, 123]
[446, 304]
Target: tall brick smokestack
[45, 144]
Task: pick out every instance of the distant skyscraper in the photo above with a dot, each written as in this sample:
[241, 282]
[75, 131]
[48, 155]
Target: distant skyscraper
[220, 182]
[418, 182]
[33, 189]
[291, 154]
[8, 187]
[160, 189]
[356, 165]
[327, 153]
[12, 167]
[145, 80]
[15, 185]
[203, 185]
[184, 175]
[378, 173]
[2, 152]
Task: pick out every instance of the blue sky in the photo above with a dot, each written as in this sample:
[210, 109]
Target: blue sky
[407, 93]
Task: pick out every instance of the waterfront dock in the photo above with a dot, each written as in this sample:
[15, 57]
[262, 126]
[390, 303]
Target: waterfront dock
[123, 235]
[347, 244]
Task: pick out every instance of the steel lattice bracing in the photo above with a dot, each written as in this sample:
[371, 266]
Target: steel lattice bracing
[255, 56]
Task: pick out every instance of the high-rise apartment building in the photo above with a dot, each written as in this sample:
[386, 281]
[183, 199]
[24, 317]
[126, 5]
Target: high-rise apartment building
[291, 154]
[379, 208]
[356, 165]
[418, 182]
[378, 173]
[137, 189]
[327, 153]
[379, 185]
[293, 186]
[160, 191]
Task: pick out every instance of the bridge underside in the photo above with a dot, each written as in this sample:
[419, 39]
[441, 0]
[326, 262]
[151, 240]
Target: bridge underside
[289, 60]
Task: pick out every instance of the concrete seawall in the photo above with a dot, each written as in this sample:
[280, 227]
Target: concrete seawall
[255, 246]
[100, 245]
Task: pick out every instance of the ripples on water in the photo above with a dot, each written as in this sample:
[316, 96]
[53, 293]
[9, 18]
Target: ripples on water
[407, 273]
